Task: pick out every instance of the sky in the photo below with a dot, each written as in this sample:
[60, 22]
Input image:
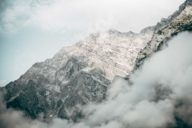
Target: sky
[158, 95]
[34, 30]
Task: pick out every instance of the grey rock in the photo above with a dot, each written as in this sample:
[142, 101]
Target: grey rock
[179, 22]
[80, 74]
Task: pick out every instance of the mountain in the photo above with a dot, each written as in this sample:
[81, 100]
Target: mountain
[76, 75]
[165, 30]
[80, 74]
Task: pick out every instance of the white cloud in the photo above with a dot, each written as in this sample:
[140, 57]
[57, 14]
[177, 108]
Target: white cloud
[126, 106]
[85, 15]
[51, 24]
[150, 102]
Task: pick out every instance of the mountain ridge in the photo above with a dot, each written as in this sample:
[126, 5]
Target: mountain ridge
[178, 22]
[81, 74]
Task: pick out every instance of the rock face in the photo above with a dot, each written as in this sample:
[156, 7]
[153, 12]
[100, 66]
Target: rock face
[76, 75]
[80, 74]
[180, 21]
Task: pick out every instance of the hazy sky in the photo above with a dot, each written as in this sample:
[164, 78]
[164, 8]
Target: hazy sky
[33, 30]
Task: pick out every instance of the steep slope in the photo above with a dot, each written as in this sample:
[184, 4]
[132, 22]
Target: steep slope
[179, 22]
[76, 75]
[80, 74]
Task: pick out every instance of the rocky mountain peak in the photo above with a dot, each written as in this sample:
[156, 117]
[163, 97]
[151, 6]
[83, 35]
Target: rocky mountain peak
[81, 73]
[178, 22]
[76, 75]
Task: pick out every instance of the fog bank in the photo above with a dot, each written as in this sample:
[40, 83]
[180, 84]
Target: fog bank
[159, 96]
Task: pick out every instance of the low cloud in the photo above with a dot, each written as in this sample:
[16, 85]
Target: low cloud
[160, 93]
[45, 26]
[159, 96]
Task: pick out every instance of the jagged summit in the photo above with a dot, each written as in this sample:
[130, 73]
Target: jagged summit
[81, 73]
[111, 51]
[179, 22]
[76, 75]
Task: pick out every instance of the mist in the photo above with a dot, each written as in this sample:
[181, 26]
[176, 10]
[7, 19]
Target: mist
[158, 95]
[160, 92]
[34, 30]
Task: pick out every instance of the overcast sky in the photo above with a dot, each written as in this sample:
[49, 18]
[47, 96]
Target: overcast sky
[33, 30]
